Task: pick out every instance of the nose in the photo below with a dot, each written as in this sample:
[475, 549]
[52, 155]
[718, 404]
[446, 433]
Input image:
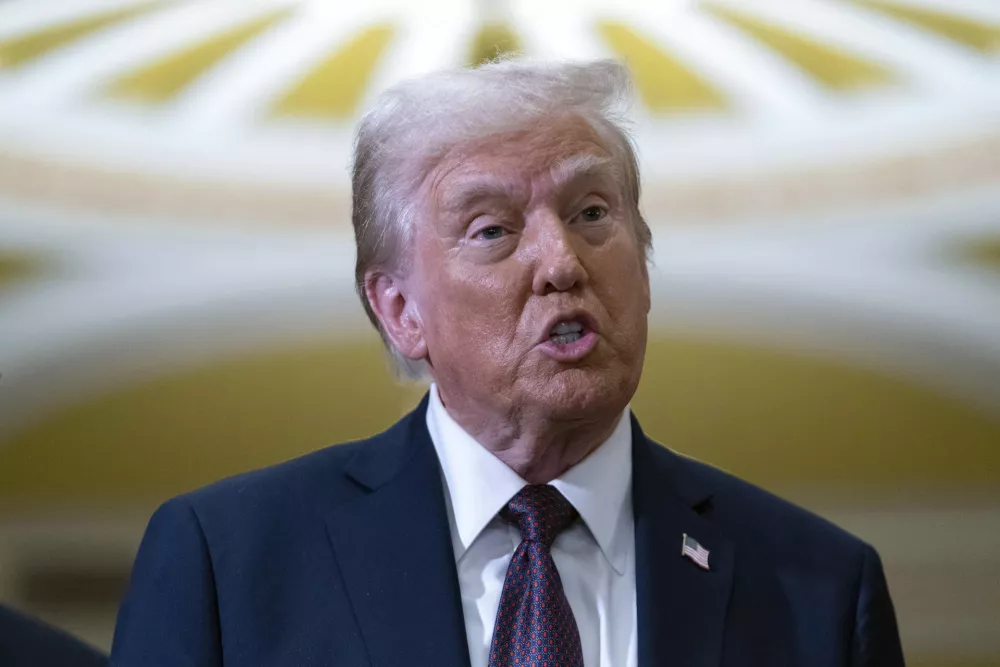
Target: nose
[558, 267]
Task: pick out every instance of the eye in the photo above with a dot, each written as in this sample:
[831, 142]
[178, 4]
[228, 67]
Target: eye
[491, 233]
[592, 214]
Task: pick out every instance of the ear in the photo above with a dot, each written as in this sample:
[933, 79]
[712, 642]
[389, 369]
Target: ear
[397, 312]
[647, 293]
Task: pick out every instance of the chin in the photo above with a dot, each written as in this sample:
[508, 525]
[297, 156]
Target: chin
[580, 393]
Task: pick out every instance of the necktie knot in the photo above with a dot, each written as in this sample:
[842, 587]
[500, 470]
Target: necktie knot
[540, 512]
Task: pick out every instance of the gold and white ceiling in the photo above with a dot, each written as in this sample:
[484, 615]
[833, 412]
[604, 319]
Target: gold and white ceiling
[227, 110]
[821, 175]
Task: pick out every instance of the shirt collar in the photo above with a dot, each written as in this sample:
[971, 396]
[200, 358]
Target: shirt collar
[478, 484]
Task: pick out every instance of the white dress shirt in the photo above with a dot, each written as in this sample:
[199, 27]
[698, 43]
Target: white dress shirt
[595, 558]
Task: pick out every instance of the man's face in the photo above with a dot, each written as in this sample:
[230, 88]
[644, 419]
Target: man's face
[531, 288]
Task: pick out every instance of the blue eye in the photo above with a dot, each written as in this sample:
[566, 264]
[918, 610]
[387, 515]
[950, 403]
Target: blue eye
[492, 232]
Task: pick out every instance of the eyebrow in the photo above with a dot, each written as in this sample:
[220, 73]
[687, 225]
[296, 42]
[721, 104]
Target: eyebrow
[565, 172]
[581, 166]
[475, 189]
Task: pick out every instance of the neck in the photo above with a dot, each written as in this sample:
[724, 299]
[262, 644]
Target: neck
[535, 446]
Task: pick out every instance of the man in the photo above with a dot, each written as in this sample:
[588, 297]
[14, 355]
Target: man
[519, 516]
[28, 642]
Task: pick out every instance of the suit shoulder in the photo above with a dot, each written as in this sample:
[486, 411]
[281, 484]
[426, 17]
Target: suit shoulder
[297, 481]
[755, 516]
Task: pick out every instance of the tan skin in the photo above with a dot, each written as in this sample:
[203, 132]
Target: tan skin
[515, 230]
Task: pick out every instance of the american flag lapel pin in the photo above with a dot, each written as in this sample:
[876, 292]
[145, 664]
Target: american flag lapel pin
[697, 553]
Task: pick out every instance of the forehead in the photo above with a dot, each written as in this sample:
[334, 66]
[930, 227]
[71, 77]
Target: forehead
[519, 156]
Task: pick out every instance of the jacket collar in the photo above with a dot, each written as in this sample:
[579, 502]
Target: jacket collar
[479, 484]
[681, 608]
[393, 548]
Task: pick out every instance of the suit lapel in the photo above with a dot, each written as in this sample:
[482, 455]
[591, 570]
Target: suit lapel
[393, 546]
[681, 608]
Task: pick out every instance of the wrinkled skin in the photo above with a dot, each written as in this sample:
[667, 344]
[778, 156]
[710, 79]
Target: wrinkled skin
[513, 231]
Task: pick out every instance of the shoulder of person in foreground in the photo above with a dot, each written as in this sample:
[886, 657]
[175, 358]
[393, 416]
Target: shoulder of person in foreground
[239, 536]
[28, 642]
[832, 579]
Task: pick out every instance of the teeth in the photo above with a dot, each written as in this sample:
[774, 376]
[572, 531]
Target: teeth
[565, 339]
[566, 328]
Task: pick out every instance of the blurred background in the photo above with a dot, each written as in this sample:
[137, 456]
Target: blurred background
[176, 299]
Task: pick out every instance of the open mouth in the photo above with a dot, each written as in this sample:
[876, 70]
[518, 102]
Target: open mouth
[570, 338]
[567, 332]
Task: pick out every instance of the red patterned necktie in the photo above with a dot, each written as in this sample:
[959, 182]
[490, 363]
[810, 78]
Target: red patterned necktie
[535, 626]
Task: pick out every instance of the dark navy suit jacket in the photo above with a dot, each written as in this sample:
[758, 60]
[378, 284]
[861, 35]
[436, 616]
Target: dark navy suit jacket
[344, 558]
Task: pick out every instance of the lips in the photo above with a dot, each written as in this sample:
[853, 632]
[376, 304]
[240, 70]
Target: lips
[567, 327]
[569, 336]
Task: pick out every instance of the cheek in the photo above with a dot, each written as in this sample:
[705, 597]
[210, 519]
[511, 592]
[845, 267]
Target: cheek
[478, 307]
[623, 291]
